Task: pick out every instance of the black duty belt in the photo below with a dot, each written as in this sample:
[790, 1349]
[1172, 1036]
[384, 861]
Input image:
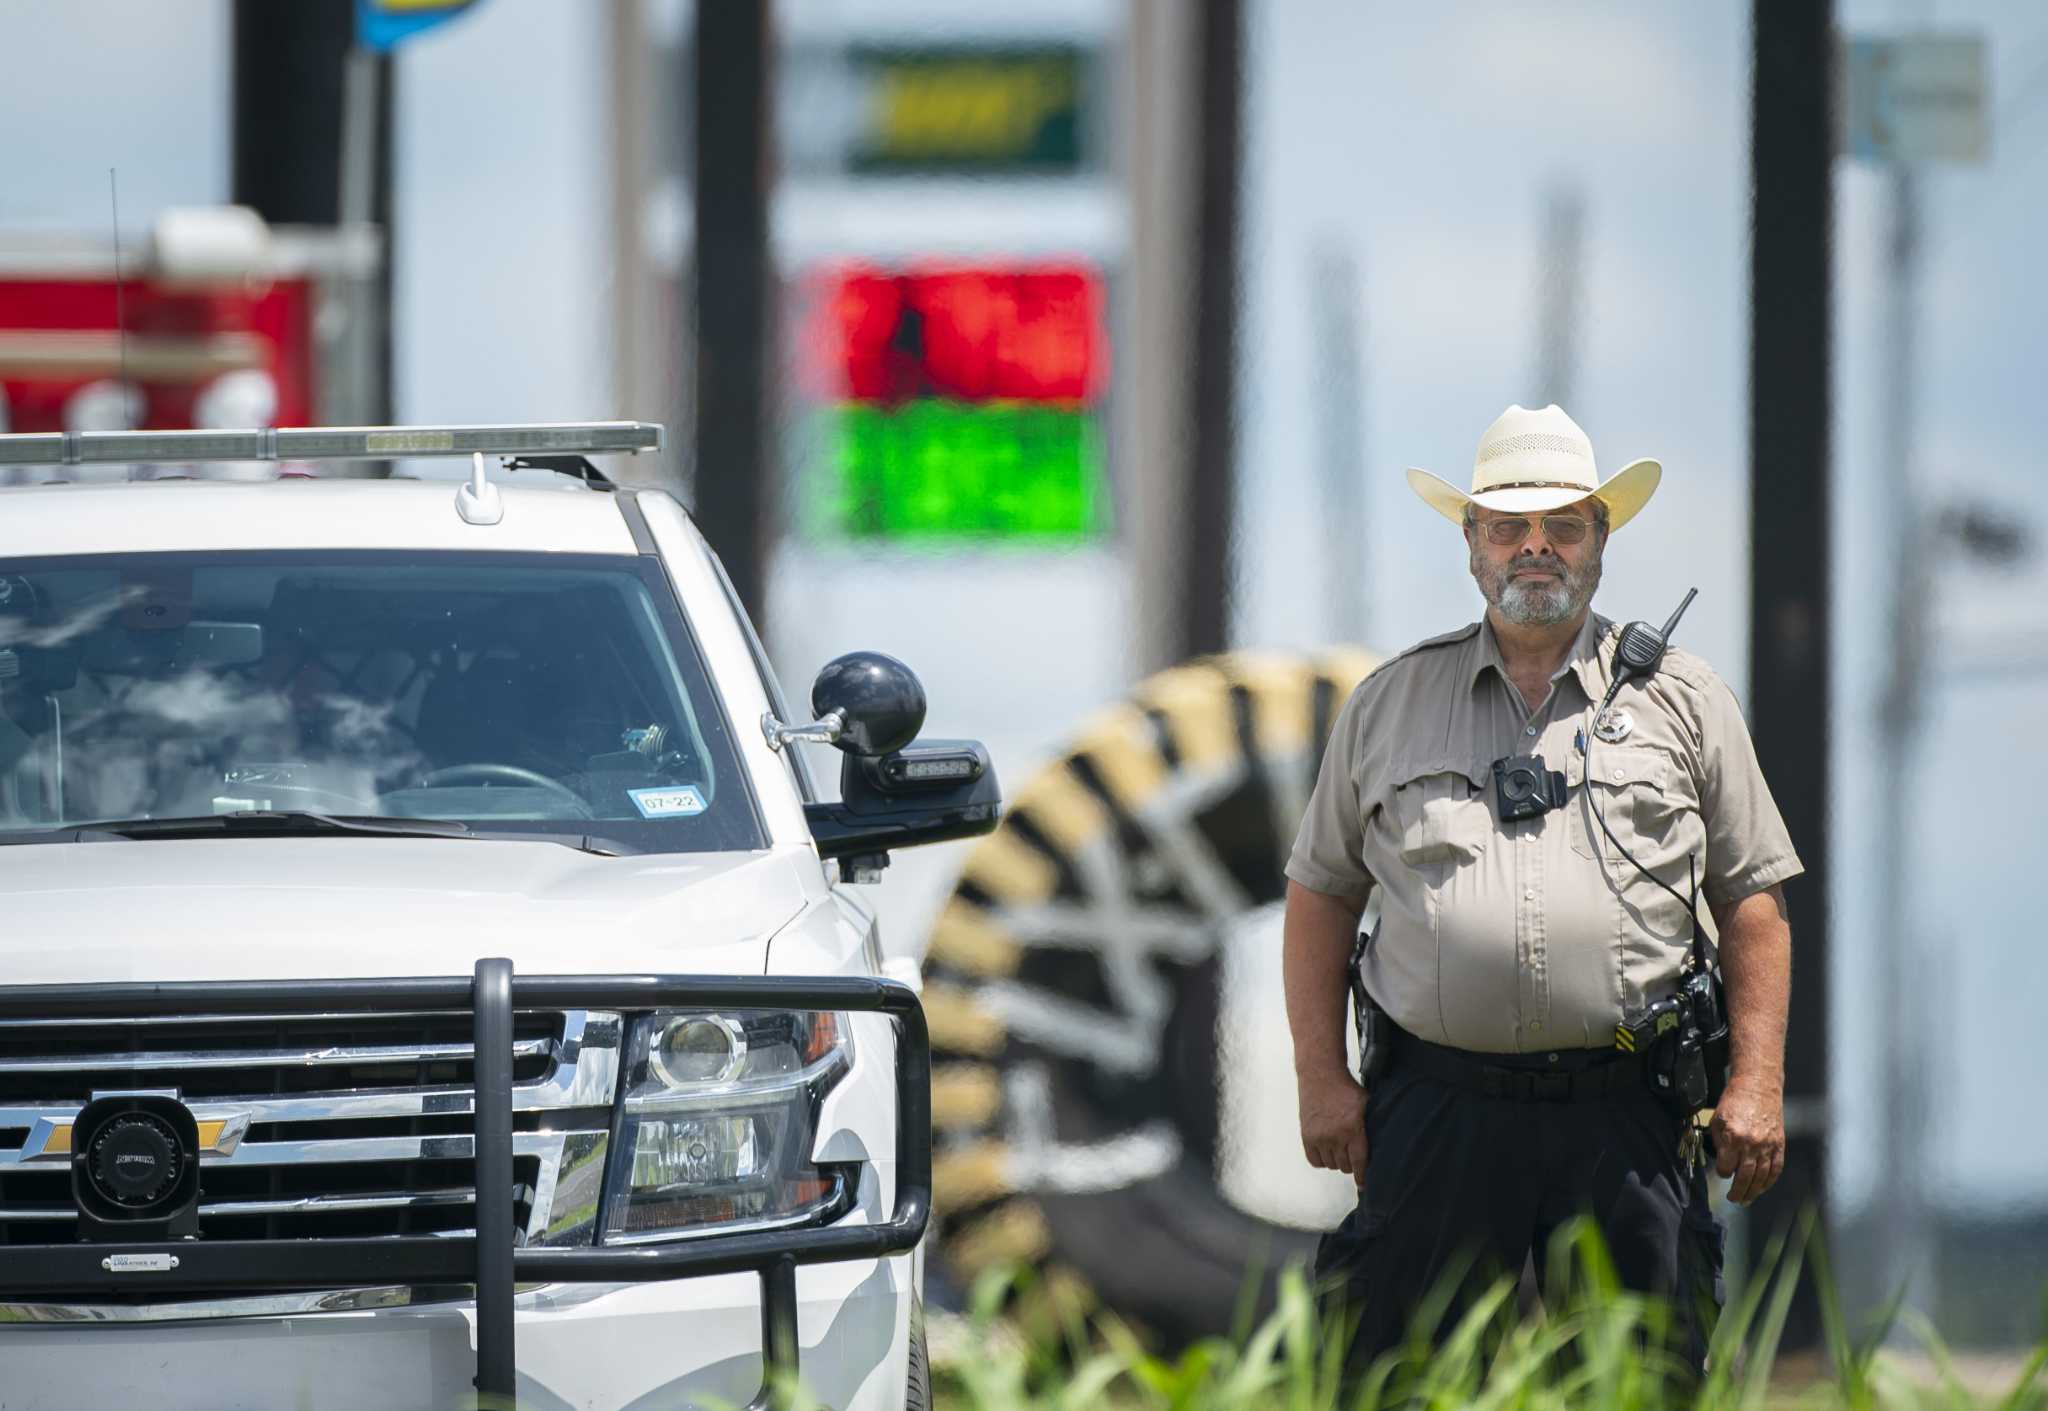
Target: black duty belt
[1611, 1075]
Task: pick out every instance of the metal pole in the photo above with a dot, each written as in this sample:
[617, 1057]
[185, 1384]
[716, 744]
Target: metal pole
[1904, 1202]
[1338, 301]
[779, 1343]
[732, 474]
[1210, 505]
[312, 146]
[1155, 410]
[361, 81]
[647, 376]
[1564, 239]
[496, 1363]
[1793, 81]
[366, 200]
[288, 108]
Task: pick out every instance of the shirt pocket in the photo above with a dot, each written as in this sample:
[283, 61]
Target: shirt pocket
[1637, 793]
[1442, 816]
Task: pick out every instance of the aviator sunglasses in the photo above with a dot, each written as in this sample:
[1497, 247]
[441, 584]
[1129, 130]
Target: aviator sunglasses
[1557, 528]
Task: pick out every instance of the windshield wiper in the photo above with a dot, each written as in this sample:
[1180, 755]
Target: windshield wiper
[301, 823]
[245, 823]
[591, 843]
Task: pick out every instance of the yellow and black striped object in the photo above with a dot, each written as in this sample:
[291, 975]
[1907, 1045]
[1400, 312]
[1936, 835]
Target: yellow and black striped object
[1071, 990]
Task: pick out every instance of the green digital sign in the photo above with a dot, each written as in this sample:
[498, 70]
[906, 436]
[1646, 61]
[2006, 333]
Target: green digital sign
[952, 471]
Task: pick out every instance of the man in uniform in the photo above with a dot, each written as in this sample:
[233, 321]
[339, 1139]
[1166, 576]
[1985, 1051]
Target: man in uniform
[1507, 952]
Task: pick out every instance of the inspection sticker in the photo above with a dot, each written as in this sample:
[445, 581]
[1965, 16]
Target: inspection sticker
[667, 803]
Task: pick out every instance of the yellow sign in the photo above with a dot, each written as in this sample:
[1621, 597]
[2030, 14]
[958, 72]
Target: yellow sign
[981, 108]
[987, 111]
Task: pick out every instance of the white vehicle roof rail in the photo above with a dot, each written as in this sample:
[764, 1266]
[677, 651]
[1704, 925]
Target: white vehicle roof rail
[328, 443]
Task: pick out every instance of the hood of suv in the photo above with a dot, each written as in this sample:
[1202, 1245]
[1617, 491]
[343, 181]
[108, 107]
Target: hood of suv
[293, 908]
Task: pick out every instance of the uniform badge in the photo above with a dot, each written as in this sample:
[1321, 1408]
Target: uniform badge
[1613, 725]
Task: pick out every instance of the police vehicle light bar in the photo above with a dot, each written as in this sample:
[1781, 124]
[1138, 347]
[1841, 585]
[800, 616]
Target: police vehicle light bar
[328, 443]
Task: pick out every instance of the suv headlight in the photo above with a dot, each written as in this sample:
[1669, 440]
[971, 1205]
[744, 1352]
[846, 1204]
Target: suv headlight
[720, 1113]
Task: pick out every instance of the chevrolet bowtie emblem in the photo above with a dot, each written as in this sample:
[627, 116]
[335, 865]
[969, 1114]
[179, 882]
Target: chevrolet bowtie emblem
[219, 1134]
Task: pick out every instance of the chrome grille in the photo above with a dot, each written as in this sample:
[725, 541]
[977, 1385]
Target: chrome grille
[205, 1058]
[318, 1126]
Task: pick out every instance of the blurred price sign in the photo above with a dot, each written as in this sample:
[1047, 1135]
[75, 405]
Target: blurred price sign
[952, 472]
[969, 332]
[1921, 98]
[981, 108]
[985, 109]
[962, 402]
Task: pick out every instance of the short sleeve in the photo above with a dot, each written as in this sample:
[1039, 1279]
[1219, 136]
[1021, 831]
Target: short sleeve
[1748, 846]
[1329, 851]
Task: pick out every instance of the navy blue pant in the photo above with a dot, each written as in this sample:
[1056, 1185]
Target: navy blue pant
[1458, 1180]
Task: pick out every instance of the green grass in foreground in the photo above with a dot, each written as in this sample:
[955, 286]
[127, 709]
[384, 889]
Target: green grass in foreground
[1599, 1347]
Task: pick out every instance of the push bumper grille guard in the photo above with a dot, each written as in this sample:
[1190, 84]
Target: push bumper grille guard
[495, 1264]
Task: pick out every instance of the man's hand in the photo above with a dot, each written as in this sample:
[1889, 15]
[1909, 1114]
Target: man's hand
[1749, 1138]
[1333, 1124]
[1749, 1124]
[1315, 953]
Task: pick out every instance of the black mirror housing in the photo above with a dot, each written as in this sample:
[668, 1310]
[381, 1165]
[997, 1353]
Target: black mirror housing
[880, 702]
[935, 791]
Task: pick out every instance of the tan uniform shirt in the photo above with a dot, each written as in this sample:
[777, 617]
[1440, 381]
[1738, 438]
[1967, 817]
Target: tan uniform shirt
[1537, 934]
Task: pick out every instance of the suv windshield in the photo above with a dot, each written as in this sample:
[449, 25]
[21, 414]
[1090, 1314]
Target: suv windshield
[538, 693]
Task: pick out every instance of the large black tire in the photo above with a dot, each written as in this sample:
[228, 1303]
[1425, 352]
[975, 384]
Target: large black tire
[1071, 985]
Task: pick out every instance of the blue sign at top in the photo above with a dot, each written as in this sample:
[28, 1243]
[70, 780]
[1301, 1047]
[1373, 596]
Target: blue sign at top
[382, 25]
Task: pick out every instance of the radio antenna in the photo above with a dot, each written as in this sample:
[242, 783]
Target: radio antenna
[120, 301]
[1672, 625]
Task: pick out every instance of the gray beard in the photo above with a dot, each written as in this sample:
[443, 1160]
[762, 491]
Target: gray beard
[1538, 602]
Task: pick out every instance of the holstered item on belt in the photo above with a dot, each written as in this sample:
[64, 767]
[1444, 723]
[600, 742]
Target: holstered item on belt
[1615, 1077]
[1683, 1042]
[1375, 1029]
[1683, 1039]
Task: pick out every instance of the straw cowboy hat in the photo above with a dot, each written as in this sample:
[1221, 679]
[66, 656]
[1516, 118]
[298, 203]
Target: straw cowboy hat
[1531, 461]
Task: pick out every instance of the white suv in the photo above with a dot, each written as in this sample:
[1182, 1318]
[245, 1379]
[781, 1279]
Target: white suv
[424, 953]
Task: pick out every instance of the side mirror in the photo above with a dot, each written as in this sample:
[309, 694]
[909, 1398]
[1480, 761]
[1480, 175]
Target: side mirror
[866, 703]
[893, 793]
[934, 791]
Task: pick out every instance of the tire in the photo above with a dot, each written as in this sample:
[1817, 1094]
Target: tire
[917, 1392]
[1073, 987]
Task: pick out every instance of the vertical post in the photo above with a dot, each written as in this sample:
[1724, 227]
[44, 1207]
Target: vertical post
[496, 1363]
[1792, 137]
[1336, 294]
[733, 489]
[1907, 1245]
[312, 146]
[1154, 414]
[1557, 329]
[648, 379]
[362, 83]
[1210, 503]
[779, 1349]
[288, 108]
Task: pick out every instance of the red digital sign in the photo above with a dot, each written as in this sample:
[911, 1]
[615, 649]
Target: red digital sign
[1023, 333]
[961, 401]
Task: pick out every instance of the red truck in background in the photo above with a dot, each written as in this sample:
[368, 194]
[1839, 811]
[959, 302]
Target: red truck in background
[214, 320]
